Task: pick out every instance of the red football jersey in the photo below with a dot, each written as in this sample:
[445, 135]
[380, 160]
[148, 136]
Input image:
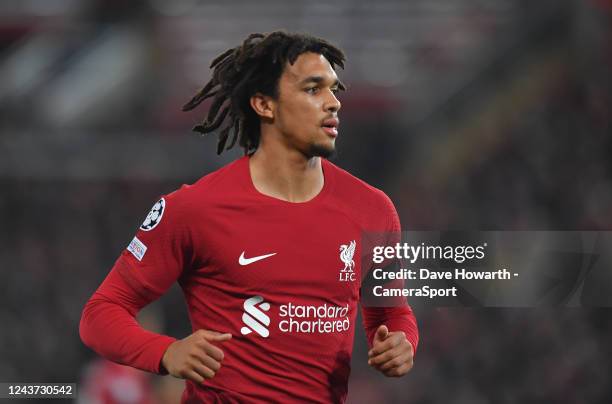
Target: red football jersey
[283, 278]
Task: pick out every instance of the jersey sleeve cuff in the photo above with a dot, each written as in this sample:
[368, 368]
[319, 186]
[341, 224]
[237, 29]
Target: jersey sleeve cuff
[409, 330]
[157, 354]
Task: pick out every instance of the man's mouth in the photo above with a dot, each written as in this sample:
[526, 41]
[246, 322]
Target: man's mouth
[330, 126]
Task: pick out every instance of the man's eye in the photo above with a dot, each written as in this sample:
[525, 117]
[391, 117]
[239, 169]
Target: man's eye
[312, 90]
[335, 90]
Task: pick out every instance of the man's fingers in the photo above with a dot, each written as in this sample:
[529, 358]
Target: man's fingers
[218, 337]
[205, 336]
[201, 356]
[210, 335]
[382, 347]
[396, 361]
[193, 376]
[393, 356]
[399, 371]
[391, 342]
[195, 358]
[214, 352]
[202, 370]
[211, 350]
[382, 332]
[386, 356]
[211, 363]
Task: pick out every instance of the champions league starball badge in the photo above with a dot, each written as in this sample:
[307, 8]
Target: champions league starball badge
[154, 216]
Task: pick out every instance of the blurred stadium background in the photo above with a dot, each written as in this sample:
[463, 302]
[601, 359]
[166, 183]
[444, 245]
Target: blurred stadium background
[470, 114]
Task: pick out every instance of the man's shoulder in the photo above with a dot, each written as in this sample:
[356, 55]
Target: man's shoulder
[348, 185]
[211, 186]
[364, 203]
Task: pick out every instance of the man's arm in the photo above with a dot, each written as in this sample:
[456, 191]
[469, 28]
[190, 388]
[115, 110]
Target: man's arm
[399, 318]
[393, 337]
[109, 327]
[155, 259]
[391, 329]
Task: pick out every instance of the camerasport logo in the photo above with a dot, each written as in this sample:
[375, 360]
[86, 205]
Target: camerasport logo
[294, 318]
[154, 216]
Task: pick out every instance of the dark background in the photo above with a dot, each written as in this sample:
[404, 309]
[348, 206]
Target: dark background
[470, 115]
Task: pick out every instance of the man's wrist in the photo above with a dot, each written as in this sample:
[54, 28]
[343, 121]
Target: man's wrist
[161, 367]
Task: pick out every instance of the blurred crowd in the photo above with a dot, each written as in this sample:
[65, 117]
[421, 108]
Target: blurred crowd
[489, 115]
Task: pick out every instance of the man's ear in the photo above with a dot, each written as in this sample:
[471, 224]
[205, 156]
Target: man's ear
[263, 105]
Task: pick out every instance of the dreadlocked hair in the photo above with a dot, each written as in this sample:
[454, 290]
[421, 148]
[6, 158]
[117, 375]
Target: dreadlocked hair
[253, 67]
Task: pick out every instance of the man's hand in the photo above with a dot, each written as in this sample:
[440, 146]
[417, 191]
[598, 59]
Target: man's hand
[195, 358]
[391, 352]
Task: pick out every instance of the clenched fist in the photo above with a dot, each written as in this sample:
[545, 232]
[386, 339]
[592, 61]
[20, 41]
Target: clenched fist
[195, 358]
[391, 352]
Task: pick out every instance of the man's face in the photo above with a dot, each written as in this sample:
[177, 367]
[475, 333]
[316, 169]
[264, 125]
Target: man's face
[306, 112]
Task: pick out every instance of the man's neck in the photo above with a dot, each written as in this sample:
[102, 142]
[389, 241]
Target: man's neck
[286, 175]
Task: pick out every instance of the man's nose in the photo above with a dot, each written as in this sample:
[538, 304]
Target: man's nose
[333, 104]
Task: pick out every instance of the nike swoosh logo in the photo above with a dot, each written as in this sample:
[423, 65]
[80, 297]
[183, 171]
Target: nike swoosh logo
[246, 261]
